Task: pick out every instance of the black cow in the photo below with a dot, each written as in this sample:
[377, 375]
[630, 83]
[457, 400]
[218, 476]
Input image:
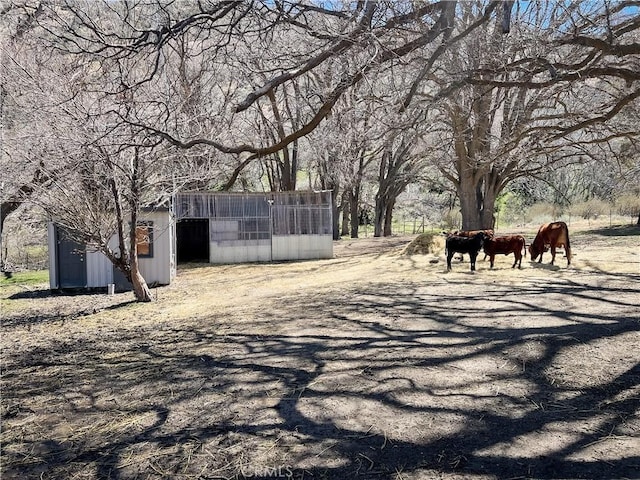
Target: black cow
[470, 245]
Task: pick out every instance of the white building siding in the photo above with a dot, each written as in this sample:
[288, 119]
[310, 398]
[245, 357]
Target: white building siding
[99, 269]
[230, 252]
[158, 269]
[53, 264]
[302, 247]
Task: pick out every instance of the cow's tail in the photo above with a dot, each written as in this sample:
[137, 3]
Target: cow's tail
[524, 246]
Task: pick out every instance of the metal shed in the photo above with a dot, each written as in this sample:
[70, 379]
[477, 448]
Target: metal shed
[72, 265]
[253, 227]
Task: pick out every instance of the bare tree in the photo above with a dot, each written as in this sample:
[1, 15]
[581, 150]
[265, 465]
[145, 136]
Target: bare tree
[23, 79]
[502, 129]
[342, 149]
[400, 162]
[99, 197]
[373, 31]
[70, 152]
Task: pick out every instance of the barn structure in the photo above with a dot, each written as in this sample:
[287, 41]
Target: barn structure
[204, 227]
[253, 227]
[73, 265]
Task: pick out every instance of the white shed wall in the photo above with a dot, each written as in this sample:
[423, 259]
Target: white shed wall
[160, 269]
[231, 252]
[302, 247]
[99, 270]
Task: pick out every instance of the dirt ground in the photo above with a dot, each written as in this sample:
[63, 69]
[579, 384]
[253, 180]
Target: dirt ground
[370, 365]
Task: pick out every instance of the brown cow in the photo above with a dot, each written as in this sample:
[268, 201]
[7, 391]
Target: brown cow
[505, 245]
[471, 233]
[551, 235]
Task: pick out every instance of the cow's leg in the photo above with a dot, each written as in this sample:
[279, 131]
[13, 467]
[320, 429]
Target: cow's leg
[491, 260]
[449, 257]
[518, 259]
[553, 254]
[473, 261]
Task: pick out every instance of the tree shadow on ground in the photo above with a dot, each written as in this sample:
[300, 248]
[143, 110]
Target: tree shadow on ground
[617, 231]
[378, 383]
[62, 307]
[49, 293]
[547, 265]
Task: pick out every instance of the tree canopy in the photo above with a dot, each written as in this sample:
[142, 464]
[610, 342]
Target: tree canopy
[470, 96]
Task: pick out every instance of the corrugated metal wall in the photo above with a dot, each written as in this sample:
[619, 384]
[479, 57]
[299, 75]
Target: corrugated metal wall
[99, 270]
[158, 269]
[242, 225]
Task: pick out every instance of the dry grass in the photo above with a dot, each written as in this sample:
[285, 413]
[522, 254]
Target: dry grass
[369, 365]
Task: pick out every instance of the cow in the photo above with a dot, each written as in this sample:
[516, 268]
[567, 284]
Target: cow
[469, 233]
[551, 235]
[470, 245]
[505, 245]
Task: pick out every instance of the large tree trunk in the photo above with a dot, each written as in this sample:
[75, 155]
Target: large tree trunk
[488, 207]
[345, 213]
[477, 182]
[471, 219]
[336, 212]
[139, 284]
[378, 218]
[388, 218]
[354, 201]
[477, 204]
[140, 287]
[344, 226]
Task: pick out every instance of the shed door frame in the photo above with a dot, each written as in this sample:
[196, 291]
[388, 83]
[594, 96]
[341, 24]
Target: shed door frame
[71, 260]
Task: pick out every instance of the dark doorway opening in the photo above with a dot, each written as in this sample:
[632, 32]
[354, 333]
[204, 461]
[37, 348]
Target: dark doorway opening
[192, 238]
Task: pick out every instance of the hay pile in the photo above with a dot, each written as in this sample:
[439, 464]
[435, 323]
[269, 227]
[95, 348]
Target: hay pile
[424, 244]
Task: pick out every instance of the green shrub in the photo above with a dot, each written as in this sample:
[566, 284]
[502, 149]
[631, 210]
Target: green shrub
[512, 210]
